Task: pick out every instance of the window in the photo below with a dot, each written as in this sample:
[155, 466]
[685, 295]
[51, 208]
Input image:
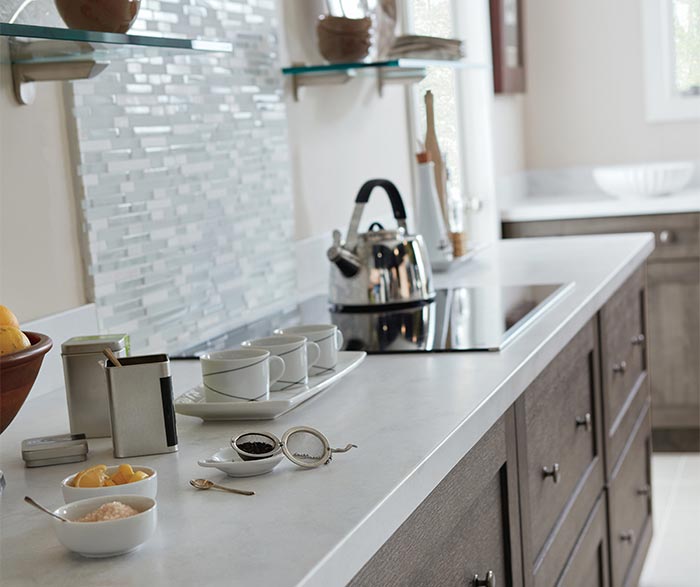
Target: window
[672, 59]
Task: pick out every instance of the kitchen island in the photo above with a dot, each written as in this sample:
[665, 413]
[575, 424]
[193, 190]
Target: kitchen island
[414, 418]
[673, 289]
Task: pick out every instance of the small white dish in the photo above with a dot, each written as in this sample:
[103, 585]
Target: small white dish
[229, 461]
[109, 538]
[644, 181]
[146, 487]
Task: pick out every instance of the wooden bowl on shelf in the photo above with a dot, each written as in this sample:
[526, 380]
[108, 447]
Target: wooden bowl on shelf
[105, 16]
[18, 372]
[344, 40]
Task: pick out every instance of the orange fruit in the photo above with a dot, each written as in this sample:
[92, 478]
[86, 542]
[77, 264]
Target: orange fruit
[91, 479]
[75, 482]
[7, 318]
[12, 339]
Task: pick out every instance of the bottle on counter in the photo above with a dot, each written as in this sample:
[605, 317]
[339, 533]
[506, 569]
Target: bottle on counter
[430, 222]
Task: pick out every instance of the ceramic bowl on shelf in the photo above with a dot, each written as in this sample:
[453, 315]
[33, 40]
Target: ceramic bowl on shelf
[644, 181]
[147, 487]
[344, 40]
[229, 461]
[18, 373]
[105, 16]
[108, 538]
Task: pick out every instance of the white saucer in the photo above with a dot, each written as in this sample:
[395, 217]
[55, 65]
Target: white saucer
[229, 461]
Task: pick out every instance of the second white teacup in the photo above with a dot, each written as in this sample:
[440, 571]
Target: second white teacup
[240, 375]
[326, 336]
[298, 354]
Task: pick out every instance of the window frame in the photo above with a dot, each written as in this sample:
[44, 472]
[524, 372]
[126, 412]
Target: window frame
[662, 105]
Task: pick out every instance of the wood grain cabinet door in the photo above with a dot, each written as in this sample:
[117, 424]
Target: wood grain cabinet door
[629, 496]
[588, 565]
[624, 341]
[465, 531]
[674, 343]
[560, 456]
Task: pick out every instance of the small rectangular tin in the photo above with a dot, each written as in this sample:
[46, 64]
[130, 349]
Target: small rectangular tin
[54, 450]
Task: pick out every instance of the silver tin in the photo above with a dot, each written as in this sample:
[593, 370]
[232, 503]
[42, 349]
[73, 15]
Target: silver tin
[54, 450]
[141, 406]
[86, 385]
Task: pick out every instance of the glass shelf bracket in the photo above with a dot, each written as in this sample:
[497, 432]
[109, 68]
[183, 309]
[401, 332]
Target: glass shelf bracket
[39, 54]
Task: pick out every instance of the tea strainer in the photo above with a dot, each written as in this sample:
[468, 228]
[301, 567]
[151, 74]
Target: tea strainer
[304, 446]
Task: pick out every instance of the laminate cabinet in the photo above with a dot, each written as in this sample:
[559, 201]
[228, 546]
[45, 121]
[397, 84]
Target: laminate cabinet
[673, 311]
[466, 532]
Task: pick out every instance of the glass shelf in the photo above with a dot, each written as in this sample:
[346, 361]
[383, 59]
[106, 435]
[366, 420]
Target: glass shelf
[391, 71]
[403, 63]
[40, 54]
[40, 44]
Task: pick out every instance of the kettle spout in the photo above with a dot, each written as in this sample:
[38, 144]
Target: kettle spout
[347, 262]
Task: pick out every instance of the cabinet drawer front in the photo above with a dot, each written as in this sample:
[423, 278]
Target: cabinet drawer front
[588, 565]
[630, 500]
[459, 531]
[623, 346]
[677, 235]
[556, 408]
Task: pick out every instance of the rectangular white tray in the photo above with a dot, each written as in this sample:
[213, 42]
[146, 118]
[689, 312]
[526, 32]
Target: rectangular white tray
[193, 402]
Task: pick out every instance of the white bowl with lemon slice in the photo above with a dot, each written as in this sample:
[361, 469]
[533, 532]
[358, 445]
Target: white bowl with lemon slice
[100, 480]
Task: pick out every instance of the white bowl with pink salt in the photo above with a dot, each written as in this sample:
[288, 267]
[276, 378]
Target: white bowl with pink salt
[106, 526]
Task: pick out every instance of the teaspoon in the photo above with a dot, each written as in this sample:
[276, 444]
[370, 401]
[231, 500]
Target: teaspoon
[30, 501]
[206, 484]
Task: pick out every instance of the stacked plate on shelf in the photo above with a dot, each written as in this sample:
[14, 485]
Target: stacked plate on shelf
[425, 47]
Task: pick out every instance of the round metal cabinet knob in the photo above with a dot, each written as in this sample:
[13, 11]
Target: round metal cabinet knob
[627, 536]
[554, 472]
[488, 581]
[620, 367]
[638, 340]
[644, 490]
[666, 237]
[586, 421]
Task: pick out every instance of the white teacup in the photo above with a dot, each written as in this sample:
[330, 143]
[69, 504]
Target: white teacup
[298, 354]
[241, 375]
[328, 338]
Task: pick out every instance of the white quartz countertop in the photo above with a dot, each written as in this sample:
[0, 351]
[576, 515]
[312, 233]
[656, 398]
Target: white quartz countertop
[533, 208]
[412, 416]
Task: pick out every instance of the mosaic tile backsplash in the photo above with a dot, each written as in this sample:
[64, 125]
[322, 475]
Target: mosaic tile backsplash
[187, 207]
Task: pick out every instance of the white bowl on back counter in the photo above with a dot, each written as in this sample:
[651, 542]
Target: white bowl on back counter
[109, 537]
[644, 181]
[147, 487]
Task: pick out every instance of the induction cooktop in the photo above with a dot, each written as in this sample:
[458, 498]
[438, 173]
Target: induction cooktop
[458, 319]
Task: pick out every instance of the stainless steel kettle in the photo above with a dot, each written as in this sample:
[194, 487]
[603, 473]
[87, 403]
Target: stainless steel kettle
[379, 267]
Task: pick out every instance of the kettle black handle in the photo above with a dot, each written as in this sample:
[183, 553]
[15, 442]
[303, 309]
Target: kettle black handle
[391, 190]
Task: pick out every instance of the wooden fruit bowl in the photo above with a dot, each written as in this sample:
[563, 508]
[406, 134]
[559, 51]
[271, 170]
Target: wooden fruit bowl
[18, 372]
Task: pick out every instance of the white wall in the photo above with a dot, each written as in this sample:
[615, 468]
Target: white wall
[340, 136]
[585, 94]
[40, 266]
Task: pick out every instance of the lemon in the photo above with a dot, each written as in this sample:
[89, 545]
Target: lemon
[12, 339]
[7, 318]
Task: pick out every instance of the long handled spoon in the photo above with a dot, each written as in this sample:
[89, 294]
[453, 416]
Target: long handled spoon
[206, 484]
[30, 501]
[112, 357]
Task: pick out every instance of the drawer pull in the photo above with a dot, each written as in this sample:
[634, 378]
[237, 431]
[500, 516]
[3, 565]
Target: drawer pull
[553, 472]
[620, 367]
[666, 237]
[488, 581]
[627, 536]
[586, 421]
[646, 490]
[638, 340]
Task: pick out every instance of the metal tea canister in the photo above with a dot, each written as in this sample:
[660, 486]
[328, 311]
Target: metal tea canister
[141, 406]
[86, 385]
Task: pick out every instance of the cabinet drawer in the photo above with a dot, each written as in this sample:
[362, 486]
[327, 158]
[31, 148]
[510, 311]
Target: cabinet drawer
[560, 417]
[588, 565]
[624, 365]
[629, 496]
[467, 526]
[677, 235]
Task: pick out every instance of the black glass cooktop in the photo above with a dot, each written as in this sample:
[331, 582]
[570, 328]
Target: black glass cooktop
[484, 318]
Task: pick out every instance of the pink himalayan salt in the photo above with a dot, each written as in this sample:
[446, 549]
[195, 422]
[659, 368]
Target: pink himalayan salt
[114, 510]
